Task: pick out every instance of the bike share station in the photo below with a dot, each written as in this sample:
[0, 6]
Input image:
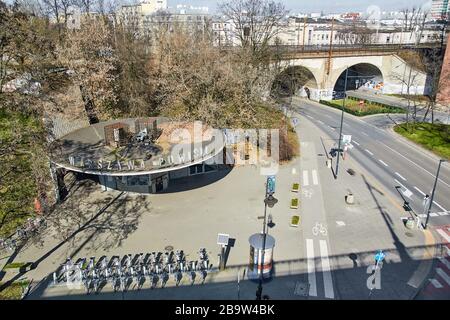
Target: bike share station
[132, 271]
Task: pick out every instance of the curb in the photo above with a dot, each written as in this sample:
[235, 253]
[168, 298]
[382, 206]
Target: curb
[412, 144]
[429, 268]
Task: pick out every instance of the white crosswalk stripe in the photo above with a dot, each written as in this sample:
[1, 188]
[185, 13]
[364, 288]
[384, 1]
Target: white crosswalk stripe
[445, 262]
[325, 268]
[305, 178]
[443, 275]
[314, 177]
[433, 214]
[436, 283]
[311, 267]
[443, 234]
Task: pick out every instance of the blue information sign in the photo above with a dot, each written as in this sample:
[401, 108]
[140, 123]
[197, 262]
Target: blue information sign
[379, 256]
[271, 184]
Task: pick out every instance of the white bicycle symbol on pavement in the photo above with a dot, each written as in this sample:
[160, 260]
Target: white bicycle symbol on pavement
[307, 193]
[319, 228]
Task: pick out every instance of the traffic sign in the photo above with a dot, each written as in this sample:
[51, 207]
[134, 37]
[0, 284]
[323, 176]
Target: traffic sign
[271, 184]
[346, 138]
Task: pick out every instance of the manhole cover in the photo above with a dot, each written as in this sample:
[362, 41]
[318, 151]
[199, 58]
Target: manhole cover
[351, 172]
[301, 289]
[169, 248]
[409, 234]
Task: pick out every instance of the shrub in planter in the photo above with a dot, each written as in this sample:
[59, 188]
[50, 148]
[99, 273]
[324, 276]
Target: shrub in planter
[294, 203]
[295, 221]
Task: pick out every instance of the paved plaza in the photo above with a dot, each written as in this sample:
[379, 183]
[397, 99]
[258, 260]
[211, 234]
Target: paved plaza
[331, 264]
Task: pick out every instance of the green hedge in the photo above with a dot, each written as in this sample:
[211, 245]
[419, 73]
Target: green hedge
[383, 108]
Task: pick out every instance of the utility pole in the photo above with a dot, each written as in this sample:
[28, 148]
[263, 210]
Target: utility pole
[432, 193]
[259, 290]
[342, 122]
[330, 51]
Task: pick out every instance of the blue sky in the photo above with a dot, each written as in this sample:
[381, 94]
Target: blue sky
[328, 6]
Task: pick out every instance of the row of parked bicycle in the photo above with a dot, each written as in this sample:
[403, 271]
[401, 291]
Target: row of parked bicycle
[31, 227]
[156, 267]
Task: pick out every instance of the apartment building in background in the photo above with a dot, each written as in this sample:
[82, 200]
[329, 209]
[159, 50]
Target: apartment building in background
[440, 9]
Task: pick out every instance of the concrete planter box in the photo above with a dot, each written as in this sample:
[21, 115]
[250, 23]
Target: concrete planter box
[295, 221]
[295, 187]
[294, 203]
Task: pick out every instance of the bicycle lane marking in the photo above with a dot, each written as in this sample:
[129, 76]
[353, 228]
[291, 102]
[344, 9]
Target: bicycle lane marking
[314, 212]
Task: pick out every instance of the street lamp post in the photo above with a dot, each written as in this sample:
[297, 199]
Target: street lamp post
[342, 121]
[432, 193]
[269, 201]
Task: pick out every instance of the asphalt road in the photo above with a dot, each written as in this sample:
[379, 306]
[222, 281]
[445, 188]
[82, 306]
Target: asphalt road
[391, 161]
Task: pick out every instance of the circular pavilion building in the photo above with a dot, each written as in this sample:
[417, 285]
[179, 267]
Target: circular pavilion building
[138, 154]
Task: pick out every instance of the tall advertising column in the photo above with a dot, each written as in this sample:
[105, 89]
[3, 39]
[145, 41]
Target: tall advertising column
[256, 266]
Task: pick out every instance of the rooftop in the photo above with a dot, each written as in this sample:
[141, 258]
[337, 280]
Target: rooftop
[136, 146]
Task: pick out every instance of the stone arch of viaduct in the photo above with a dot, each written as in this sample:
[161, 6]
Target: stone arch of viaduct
[389, 69]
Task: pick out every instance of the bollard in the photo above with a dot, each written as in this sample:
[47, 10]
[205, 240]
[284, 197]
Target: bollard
[419, 223]
[409, 223]
[349, 198]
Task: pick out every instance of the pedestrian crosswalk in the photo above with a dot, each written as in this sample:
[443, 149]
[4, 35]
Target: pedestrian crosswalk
[441, 280]
[314, 177]
[324, 268]
[434, 214]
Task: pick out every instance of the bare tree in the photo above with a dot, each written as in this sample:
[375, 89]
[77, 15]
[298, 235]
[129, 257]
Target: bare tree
[91, 56]
[433, 62]
[6, 39]
[85, 5]
[31, 7]
[255, 22]
[410, 78]
[414, 20]
[355, 34]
